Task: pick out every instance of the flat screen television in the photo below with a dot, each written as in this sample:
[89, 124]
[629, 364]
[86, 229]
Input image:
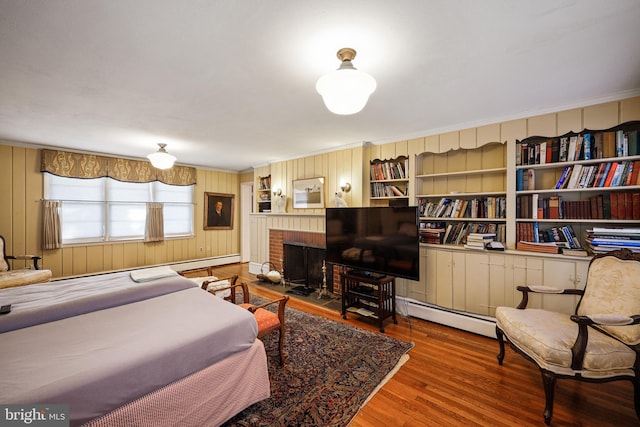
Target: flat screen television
[374, 241]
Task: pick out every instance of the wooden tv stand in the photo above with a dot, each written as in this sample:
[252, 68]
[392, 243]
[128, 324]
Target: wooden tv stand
[369, 296]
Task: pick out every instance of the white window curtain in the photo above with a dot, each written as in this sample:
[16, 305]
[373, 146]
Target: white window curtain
[154, 227]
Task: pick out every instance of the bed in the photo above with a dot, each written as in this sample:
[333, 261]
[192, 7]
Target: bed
[123, 353]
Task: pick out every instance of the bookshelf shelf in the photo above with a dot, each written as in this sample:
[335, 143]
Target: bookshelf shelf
[463, 173]
[578, 179]
[389, 178]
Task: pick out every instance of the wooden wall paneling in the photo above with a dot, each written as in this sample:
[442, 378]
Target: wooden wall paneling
[512, 130]
[487, 134]
[601, 116]
[414, 147]
[16, 242]
[569, 121]
[335, 170]
[95, 258]
[107, 255]
[494, 156]
[475, 183]
[6, 196]
[432, 144]
[52, 260]
[544, 125]
[198, 225]
[449, 141]
[468, 139]
[32, 199]
[457, 161]
[630, 109]
[79, 260]
[130, 256]
[67, 261]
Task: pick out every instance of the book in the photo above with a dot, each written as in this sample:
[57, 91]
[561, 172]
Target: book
[571, 150]
[563, 178]
[564, 147]
[545, 247]
[574, 252]
[575, 176]
[588, 141]
[608, 144]
[519, 179]
[531, 179]
[610, 174]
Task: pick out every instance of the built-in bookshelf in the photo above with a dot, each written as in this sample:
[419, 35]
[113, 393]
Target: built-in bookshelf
[389, 178]
[461, 192]
[575, 181]
[263, 193]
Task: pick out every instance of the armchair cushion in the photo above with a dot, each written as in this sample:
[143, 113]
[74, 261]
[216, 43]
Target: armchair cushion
[608, 297]
[12, 278]
[547, 338]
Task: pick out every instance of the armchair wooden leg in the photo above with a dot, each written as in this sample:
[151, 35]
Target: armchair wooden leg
[549, 381]
[500, 337]
[636, 395]
[281, 345]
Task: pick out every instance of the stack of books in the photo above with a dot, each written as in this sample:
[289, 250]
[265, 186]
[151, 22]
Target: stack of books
[602, 240]
[478, 241]
[544, 247]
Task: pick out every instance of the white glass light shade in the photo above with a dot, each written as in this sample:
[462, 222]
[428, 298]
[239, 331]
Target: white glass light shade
[161, 159]
[346, 90]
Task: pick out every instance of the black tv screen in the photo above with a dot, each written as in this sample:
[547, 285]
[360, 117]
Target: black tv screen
[374, 240]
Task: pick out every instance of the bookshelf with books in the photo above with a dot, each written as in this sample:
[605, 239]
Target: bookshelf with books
[263, 193]
[389, 178]
[464, 191]
[578, 179]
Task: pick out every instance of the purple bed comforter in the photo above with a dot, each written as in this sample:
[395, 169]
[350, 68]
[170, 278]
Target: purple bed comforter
[46, 302]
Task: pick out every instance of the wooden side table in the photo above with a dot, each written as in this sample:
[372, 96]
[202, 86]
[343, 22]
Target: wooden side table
[370, 296]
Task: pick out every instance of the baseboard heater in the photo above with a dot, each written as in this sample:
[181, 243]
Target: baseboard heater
[476, 324]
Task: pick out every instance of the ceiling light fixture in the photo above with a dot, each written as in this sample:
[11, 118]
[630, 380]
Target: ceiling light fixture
[346, 90]
[161, 159]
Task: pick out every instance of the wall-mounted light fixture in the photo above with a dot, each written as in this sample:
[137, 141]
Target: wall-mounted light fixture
[161, 159]
[346, 90]
[346, 187]
[277, 192]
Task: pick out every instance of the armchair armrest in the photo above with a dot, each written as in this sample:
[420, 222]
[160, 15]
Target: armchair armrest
[282, 302]
[580, 345]
[33, 258]
[543, 290]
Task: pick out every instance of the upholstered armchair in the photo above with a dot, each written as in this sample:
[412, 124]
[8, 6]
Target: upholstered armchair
[599, 343]
[18, 277]
[267, 320]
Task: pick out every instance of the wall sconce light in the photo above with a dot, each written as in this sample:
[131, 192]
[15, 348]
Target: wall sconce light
[161, 159]
[346, 90]
[346, 187]
[278, 192]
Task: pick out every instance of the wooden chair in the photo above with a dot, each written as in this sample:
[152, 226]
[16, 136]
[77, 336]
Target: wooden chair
[204, 278]
[268, 321]
[599, 343]
[19, 277]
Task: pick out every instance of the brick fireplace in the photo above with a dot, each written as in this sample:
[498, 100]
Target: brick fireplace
[277, 240]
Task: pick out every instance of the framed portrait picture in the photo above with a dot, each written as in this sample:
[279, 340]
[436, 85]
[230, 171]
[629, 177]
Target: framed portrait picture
[308, 193]
[218, 211]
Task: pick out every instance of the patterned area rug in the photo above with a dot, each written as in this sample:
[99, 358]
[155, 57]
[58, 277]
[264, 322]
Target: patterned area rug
[331, 370]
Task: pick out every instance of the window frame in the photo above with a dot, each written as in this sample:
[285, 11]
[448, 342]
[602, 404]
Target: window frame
[154, 190]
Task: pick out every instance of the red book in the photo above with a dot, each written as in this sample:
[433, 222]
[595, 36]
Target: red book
[614, 205]
[612, 171]
[636, 205]
[628, 206]
[635, 173]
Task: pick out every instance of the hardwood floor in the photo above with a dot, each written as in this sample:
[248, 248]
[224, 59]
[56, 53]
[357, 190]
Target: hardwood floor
[453, 378]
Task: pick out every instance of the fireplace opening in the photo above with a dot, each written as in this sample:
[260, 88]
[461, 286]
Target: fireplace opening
[303, 267]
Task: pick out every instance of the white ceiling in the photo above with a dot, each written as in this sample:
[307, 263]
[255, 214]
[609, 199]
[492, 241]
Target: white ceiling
[230, 84]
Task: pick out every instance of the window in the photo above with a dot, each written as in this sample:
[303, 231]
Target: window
[104, 209]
